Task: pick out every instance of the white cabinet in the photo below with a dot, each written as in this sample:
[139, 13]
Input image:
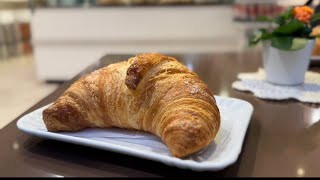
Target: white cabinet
[67, 40]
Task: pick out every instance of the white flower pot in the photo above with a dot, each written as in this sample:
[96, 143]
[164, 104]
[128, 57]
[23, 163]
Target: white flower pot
[286, 67]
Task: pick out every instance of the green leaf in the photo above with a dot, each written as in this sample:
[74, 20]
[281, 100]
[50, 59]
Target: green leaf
[259, 35]
[285, 16]
[306, 31]
[299, 43]
[283, 43]
[255, 38]
[289, 28]
[264, 19]
[288, 43]
[266, 36]
[280, 20]
[315, 17]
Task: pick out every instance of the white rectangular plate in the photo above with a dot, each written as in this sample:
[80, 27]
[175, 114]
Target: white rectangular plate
[224, 151]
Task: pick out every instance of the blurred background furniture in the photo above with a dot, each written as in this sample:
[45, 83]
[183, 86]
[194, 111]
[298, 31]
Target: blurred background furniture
[84, 30]
[64, 35]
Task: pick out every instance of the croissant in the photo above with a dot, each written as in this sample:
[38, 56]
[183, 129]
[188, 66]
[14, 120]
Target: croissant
[149, 92]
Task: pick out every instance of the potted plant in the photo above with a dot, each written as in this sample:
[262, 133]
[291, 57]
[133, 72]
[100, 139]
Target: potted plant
[287, 45]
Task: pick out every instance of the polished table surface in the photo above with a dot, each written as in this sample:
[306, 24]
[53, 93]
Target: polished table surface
[282, 139]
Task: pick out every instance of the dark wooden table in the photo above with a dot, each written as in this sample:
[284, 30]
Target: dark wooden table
[282, 139]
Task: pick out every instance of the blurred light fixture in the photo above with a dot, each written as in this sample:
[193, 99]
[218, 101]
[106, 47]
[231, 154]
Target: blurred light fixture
[300, 172]
[315, 117]
[15, 146]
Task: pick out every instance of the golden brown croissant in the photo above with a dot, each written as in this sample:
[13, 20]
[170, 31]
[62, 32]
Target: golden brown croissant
[149, 92]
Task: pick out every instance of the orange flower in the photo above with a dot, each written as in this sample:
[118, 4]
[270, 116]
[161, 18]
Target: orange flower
[303, 13]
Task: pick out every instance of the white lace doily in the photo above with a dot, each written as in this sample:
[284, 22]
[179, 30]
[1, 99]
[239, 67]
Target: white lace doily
[308, 92]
